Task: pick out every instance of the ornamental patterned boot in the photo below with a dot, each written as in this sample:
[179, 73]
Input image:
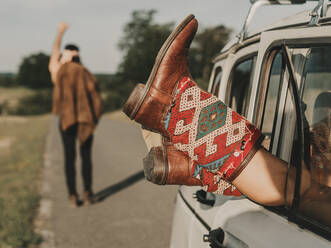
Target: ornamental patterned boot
[166, 165]
[149, 104]
[219, 140]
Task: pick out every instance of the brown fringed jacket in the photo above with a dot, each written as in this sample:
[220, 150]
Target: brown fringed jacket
[76, 99]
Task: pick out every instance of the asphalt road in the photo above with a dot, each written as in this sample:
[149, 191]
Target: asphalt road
[131, 212]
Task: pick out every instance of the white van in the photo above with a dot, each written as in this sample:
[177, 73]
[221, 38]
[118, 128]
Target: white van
[280, 79]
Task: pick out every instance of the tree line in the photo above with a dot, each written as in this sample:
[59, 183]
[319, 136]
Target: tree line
[141, 40]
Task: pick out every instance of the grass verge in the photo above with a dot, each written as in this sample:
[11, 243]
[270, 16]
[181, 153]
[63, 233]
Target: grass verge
[11, 95]
[22, 142]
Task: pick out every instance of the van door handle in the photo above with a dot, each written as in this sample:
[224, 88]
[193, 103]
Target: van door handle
[201, 197]
[218, 238]
[215, 238]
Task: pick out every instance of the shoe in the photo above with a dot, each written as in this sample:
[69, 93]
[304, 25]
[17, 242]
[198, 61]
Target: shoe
[73, 200]
[165, 165]
[217, 139]
[148, 104]
[88, 198]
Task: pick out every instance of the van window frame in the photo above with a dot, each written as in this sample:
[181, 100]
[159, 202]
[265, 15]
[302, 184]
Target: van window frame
[217, 84]
[293, 216]
[229, 85]
[266, 87]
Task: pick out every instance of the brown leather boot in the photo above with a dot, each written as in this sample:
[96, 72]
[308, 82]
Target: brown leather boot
[219, 141]
[166, 165]
[149, 104]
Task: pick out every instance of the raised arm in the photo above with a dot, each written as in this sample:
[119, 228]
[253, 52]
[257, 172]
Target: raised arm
[54, 62]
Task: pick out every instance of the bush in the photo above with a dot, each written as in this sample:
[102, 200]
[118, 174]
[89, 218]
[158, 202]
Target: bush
[113, 101]
[36, 104]
[7, 80]
[33, 72]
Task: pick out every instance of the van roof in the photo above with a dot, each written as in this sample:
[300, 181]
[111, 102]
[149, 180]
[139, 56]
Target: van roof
[300, 19]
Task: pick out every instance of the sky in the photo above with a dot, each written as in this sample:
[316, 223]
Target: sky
[29, 26]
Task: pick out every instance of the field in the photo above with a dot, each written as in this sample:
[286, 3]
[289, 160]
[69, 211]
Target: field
[12, 95]
[22, 141]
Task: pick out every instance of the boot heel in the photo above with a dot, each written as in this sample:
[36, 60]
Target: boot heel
[167, 165]
[155, 166]
[134, 101]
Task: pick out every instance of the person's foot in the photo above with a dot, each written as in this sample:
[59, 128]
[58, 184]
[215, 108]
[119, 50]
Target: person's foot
[73, 201]
[87, 198]
[148, 104]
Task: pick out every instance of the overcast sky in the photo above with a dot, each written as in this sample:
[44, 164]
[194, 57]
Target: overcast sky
[29, 26]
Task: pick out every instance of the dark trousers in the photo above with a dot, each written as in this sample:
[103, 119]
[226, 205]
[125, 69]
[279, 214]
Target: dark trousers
[69, 142]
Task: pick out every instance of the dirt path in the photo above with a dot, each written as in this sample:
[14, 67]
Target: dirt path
[132, 212]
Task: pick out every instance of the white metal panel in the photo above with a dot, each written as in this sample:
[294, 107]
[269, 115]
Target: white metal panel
[260, 228]
[209, 213]
[181, 225]
[198, 230]
[187, 192]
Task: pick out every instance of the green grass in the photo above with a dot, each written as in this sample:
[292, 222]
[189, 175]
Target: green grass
[22, 142]
[11, 95]
[23, 101]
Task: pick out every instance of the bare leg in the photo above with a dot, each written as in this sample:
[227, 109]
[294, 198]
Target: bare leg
[264, 180]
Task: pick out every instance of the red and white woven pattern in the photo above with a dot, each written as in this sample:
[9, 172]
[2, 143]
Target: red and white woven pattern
[214, 136]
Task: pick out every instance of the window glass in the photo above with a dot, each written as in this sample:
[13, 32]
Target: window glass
[316, 97]
[315, 200]
[217, 81]
[271, 101]
[241, 86]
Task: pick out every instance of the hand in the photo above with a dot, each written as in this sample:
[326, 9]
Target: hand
[62, 27]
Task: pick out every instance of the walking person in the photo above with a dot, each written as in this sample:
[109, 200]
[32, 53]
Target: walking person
[77, 101]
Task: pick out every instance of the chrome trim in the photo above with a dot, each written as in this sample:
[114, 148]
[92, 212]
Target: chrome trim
[256, 4]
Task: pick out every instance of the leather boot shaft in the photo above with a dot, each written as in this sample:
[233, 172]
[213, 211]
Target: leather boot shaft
[150, 104]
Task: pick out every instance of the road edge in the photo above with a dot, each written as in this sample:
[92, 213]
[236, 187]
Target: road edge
[44, 211]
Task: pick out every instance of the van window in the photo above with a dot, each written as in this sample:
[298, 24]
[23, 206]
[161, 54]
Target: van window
[217, 81]
[240, 86]
[271, 101]
[316, 97]
[315, 202]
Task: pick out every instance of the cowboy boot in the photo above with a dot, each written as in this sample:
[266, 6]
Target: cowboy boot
[148, 104]
[166, 165]
[216, 138]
